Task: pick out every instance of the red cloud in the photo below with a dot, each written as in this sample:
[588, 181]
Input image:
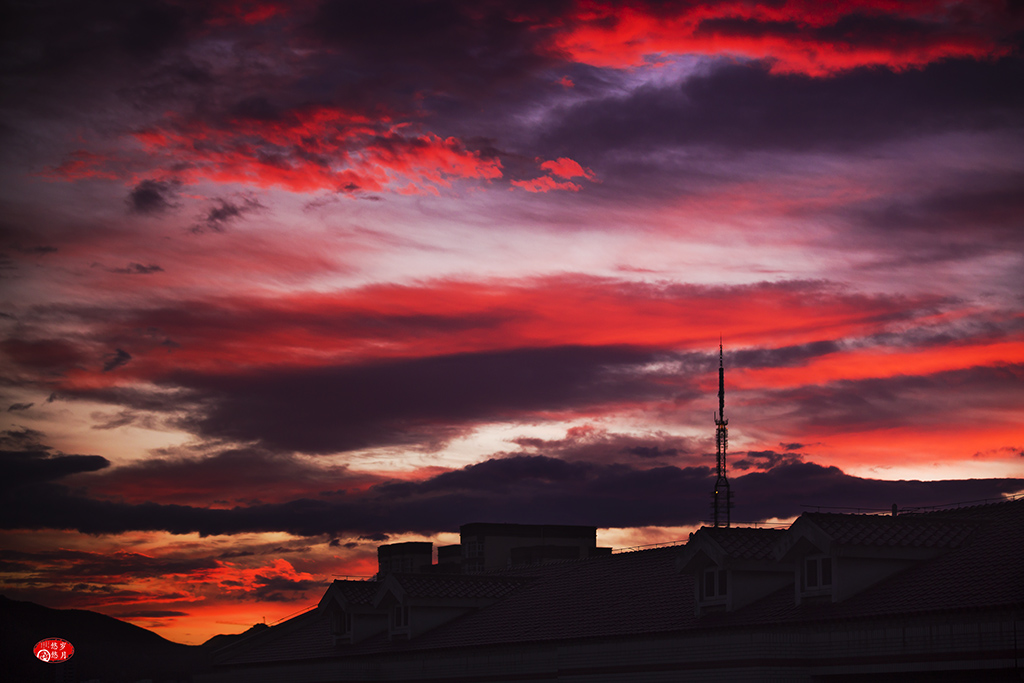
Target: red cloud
[450, 317]
[318, 148]
[798, 36]
[81, 165]
[545, 184]
[563, 167]
[567, 168]
[248, 12]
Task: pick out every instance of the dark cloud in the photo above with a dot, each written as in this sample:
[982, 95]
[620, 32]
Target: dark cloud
[137, 269]
[282, 589]
[227, 211]
[25, 460]
[112, 361]
[528, 489]
[66, 37]
[66, 565]
[962, 331]
[902, 400]
[152, 197]
[23, 438]
[39, 250]
[652, 451]
[121, 419]
[47, 355]
[408, 401]
[765, 460]
[745, 107]
[442, 48]
[786, 356]
[19, 406]
[977, 214]
[232, 476]
[592, 444]
[793, 488]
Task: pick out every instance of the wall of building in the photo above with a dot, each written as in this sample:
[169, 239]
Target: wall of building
[969, 645]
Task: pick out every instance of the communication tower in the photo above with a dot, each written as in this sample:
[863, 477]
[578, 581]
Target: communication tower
[722, 497]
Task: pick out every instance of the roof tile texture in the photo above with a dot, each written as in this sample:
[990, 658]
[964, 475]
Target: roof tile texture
[877, 530]
[745, 543]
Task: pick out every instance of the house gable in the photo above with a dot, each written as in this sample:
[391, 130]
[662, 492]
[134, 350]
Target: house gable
[837, 556]
[348, 607]
[417, 603]
[732, 567]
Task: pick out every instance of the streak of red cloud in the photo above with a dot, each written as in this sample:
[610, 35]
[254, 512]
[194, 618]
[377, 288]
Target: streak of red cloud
[798, 36]
[958, 446]
[564, 167]
[317, 148]
[862, 364]
[447, 317]
[545, 184]
[249, 12]
[231, 478]
[81, 165]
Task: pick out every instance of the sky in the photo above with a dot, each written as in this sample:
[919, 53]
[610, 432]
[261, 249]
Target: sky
[283, 281]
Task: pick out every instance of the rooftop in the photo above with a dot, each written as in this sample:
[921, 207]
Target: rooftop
[643, 592]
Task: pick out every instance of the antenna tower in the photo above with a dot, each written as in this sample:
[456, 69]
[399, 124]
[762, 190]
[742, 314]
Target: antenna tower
[722, 501]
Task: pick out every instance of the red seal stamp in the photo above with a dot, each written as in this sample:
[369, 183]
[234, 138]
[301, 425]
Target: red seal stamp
[53, 650]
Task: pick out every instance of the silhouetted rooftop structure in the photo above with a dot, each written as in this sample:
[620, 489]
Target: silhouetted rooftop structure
[834, 597]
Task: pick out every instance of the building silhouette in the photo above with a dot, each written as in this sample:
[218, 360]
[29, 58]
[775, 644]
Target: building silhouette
[918, 596]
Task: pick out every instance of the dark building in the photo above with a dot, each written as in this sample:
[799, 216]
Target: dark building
[931, 596]
[405, 558]
[489, 546]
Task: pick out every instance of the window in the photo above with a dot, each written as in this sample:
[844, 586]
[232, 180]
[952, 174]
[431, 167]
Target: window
[817, 572]
[475, 548]
[400, 616]
[341, 624]
[716, 583]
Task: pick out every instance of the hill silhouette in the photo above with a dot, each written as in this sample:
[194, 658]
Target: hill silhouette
[225, 639]
[106, 648]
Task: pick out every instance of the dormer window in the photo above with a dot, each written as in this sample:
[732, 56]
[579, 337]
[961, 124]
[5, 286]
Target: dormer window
[341, 626]
[400, 617]
[715, 584]
[817, 573]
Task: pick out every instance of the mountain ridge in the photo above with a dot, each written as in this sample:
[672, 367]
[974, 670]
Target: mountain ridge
[106, 648]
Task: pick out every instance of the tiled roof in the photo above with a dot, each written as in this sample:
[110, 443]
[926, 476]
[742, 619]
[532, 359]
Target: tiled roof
[745, 543]
[457, 586]
[606, 596]
[307, 636]
[356, 592]
[631, 594]
[985, 571]
[906, 530]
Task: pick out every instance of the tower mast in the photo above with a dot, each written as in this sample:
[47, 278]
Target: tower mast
[722, 495]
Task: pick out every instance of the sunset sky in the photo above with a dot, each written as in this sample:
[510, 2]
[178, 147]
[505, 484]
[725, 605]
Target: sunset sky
[282, 281]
